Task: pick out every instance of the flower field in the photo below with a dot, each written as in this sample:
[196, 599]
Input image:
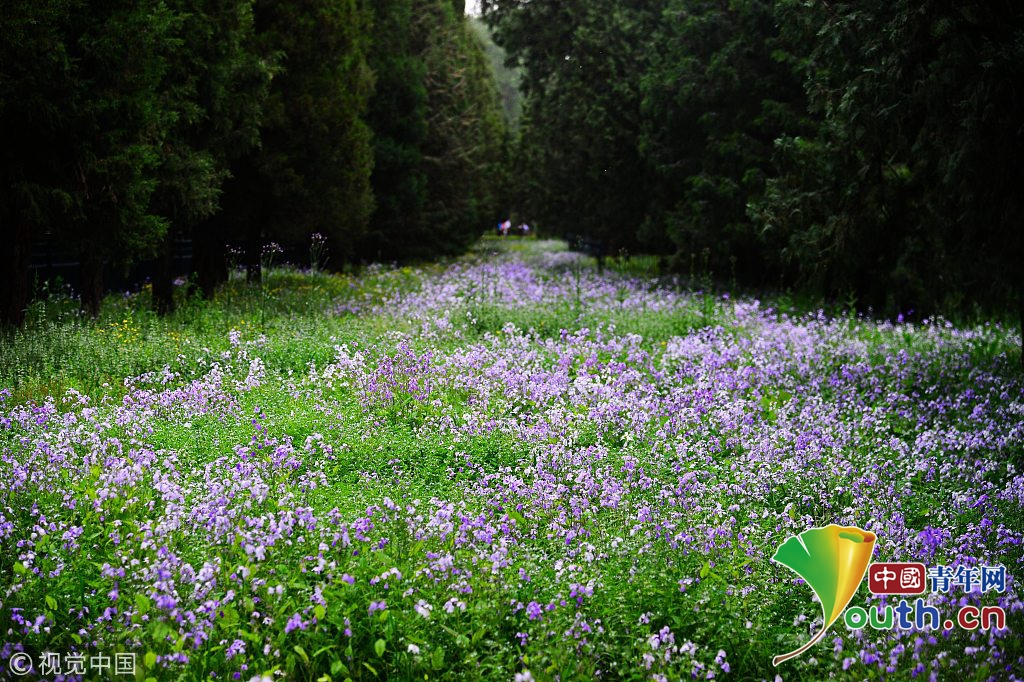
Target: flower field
[510, 467]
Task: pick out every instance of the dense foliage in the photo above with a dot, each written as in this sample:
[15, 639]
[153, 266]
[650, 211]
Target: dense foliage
[216, 90]
[519, 463]
[424, 473]
[83, 116]
[718, 93]
[907, 194]
[438, 132]
[131, 126]
[867, 151]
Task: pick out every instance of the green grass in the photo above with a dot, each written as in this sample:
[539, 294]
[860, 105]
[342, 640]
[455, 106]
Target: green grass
[365, 445]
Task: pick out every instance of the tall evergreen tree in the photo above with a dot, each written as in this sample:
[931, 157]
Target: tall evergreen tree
[83, 104]
[118, 128]
[398, 117]
[438, 131]
[908, 195]
[216, 87]
[311, 172]
[33, 183]
[465, 130]
[508, 79]
[718, 92]
[583, 63]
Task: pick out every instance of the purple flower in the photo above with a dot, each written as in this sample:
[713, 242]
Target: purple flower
[237, 647]
[294, 623]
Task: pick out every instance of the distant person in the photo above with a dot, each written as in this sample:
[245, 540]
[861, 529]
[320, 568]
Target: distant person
[505, 227]
[524, 230]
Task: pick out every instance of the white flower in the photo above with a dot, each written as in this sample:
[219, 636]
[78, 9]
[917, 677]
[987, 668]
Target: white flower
[413, 649]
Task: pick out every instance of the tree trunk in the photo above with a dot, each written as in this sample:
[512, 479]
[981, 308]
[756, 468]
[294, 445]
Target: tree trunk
[254, 258]
[163, 276]
[1020, 312]
[208, 258]
[91, 268]
[14, 263]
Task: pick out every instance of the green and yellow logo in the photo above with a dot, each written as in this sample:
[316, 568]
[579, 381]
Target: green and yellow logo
[833, 561]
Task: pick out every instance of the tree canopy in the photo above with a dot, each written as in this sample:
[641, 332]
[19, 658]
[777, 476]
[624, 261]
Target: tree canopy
[133, 125]
[864, 151]
[861, 151]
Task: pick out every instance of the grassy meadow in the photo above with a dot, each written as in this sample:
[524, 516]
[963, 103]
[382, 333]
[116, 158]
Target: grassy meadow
[507, 466]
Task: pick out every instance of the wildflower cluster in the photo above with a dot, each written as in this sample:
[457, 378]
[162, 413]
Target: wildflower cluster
[596, 500]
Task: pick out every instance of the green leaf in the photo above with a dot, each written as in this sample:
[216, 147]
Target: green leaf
[437, 659]
[319, 612]
[478, 635]
[230, 616]
[517, 517]
[162, 630]
[302, 653]
[142, 603]
[51, 602]
[19, 568]
[379, 647]
[339, 668]
[149, 660]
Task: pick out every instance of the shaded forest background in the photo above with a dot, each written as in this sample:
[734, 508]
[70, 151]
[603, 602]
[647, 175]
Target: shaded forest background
[374, 125]
[865, 152]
